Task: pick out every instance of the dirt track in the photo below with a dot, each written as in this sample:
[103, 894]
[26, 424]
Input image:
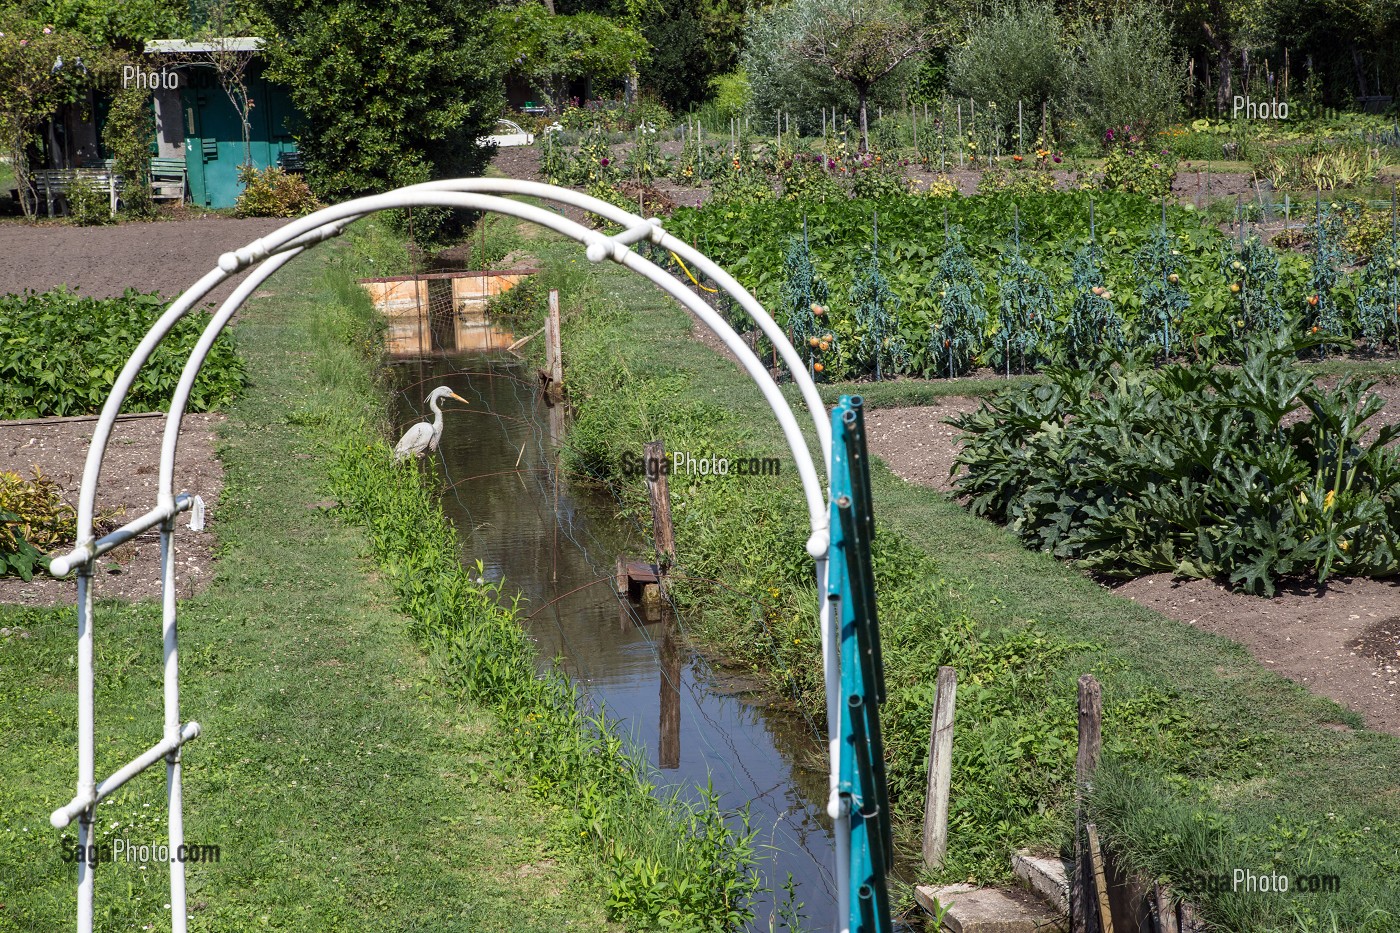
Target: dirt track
[165, 256]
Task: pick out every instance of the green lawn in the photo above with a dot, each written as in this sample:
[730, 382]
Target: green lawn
[345, 791]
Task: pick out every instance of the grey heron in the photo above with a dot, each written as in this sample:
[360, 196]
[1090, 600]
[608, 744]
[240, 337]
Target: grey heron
[424, 436]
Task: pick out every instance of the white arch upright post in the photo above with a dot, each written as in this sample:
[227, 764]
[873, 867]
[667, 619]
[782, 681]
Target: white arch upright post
[270, 253]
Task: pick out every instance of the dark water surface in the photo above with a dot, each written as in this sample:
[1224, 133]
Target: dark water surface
[557, 544]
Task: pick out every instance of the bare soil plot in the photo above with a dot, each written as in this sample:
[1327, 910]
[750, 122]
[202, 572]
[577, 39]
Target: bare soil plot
[1340, 640]
[166, 256]
[59, 447]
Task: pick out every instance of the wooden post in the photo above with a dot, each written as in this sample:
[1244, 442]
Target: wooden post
[1082, 918]
[668, 752]
[658, 494]
[940, 769]
[1166, 910]
[553, 354]
[1100, 883]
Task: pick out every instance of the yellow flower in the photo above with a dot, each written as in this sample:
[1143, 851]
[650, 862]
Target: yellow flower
[1328, 499]
[1344, 545]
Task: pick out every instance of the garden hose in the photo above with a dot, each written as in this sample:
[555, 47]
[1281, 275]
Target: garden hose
[682, 264]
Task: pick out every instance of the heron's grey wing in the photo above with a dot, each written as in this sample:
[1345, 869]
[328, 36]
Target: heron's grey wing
[415, 440]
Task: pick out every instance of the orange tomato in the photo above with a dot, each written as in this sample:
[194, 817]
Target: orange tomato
[817, 367]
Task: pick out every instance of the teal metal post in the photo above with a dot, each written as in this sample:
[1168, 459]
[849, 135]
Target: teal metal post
[851, 588]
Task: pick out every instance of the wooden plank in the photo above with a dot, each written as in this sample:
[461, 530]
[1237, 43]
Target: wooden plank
[1100, 883]
[940, 769]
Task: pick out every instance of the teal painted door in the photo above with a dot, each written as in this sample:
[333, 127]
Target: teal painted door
[214, 147]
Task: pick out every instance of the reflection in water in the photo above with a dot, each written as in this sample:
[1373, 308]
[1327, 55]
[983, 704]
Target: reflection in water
[557, 544]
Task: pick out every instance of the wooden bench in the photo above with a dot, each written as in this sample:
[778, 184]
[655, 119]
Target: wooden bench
[169, 181]
[52, 183]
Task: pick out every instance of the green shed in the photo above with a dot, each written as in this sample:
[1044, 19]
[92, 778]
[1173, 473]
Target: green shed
[212, 131]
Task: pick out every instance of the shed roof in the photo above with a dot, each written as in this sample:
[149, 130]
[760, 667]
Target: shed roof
[232, 44]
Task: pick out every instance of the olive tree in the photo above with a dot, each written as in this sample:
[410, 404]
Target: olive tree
[853, 44]
[1013, 54]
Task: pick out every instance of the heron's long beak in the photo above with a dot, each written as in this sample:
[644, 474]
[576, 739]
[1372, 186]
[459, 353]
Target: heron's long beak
[459, 398]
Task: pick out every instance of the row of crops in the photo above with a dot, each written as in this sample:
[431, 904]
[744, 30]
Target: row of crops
[909, 285]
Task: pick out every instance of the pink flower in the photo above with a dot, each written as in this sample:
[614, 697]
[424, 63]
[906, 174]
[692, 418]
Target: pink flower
[24, 42]
[603, 162]
[47, 31]
[1057, 158]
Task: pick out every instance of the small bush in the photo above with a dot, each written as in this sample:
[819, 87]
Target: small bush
[273, 192]
[1139, 172]
[33, 519]
[88, 205]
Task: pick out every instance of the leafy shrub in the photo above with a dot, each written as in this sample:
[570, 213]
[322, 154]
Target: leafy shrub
[273, 192]
[872, 179]
[1191, 469]
[940, 186]
[1016, 181]
[60, 354]
[523, 301]
[410, 112]
[805, 178]
[33, 519]
[1014, 54]
[89, 205]
[1320, 165]
[1127, 72]
[1139, 171]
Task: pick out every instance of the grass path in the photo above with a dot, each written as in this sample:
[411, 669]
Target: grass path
[344, 791]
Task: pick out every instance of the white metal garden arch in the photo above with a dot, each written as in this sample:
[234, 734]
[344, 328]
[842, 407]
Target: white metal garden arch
[270, 253]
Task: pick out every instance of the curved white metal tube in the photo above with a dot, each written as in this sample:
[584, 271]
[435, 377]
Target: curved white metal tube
[626, 218]
[279, 247]
[600, 246]
[180, 398]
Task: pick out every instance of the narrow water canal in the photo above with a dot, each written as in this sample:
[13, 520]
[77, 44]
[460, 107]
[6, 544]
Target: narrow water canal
[556, 543]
